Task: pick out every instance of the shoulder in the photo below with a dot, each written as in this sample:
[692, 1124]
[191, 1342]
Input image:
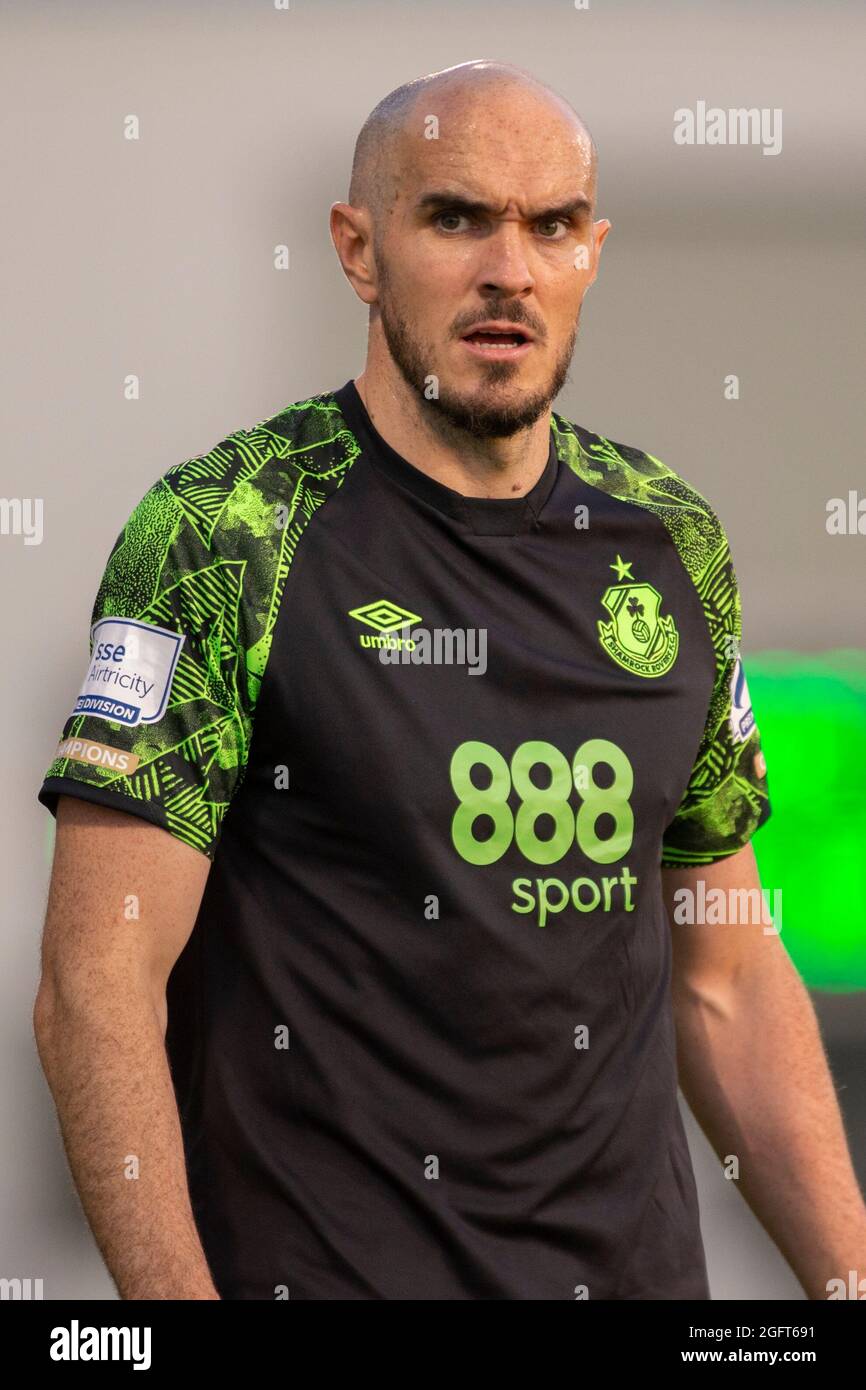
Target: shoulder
[232, 488]
[236, 499]
[636, 476]
[208, 547]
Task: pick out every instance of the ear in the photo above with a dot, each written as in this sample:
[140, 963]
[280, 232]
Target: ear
[600, 230]
[351, 235]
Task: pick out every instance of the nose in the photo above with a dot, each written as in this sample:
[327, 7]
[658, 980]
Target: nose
[504, 268]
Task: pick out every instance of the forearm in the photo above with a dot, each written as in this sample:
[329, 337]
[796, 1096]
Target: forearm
[753, 1069]
[118, 1116]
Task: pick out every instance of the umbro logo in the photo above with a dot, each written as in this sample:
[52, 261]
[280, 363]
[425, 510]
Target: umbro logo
[418, 646]
[384, 615]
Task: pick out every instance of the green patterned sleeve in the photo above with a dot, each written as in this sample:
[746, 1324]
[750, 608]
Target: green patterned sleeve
[727, 796]
[162, 723]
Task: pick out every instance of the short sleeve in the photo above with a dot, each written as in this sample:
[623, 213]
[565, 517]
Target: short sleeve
[727, 796]
[162, 722]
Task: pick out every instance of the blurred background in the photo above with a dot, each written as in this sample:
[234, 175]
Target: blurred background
[155, 257]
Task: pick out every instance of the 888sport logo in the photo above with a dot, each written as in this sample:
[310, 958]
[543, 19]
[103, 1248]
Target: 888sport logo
[500, 804]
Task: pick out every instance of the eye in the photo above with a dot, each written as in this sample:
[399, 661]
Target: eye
[553, 222]
[458, 215]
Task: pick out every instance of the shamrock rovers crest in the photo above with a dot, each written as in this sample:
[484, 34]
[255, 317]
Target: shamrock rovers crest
[638, 637]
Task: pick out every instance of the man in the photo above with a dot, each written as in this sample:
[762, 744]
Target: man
[409, 711]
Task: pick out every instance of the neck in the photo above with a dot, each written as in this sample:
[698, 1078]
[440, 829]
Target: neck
[473, 466]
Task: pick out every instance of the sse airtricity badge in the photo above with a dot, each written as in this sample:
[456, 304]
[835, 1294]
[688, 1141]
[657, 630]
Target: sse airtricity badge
[131, 669]
[638, 638]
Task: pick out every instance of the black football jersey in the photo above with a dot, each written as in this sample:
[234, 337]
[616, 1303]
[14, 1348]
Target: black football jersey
[438, 749]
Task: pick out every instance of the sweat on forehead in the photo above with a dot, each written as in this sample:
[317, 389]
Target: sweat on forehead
[381, 146]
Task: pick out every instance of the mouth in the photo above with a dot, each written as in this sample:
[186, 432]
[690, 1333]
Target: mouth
[507, 341]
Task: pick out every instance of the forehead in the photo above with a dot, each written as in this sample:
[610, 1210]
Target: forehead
[505, 145]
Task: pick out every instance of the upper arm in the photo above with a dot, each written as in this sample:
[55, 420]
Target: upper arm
[122, 902]
[156, 745]
[721, 921]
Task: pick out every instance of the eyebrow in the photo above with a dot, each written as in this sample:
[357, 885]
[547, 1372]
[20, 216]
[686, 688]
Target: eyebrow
[444, 198]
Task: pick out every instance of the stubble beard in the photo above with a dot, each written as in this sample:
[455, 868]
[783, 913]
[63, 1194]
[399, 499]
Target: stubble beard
[474, 411]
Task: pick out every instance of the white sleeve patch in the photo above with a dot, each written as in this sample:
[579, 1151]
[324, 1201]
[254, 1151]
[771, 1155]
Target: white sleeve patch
[742, 718]
[131, 671]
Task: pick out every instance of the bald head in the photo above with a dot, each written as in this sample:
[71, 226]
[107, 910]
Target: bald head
[390, 134]
[471, 202]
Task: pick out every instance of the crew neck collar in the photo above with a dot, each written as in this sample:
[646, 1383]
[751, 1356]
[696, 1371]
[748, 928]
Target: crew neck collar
[486, 516]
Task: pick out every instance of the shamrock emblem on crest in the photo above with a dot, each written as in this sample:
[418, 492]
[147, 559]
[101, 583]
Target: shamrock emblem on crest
[638, 626]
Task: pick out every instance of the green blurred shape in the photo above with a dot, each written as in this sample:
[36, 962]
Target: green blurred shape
[811, 711]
